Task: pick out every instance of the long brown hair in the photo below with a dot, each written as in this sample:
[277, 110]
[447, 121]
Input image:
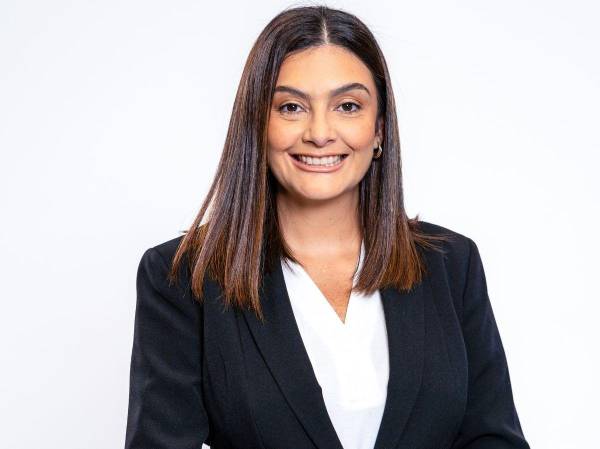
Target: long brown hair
[242, 238]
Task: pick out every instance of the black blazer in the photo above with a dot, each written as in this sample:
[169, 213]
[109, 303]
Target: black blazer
[202, 373]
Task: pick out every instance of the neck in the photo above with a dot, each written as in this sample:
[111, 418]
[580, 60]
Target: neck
[320, 228]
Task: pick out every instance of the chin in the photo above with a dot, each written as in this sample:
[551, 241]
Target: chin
[322, 195]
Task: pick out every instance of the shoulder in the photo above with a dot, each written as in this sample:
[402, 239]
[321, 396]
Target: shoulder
[164, 304]
[161, 254]
[166, 249]
[457, 253]
[456, 245]
[156, 261]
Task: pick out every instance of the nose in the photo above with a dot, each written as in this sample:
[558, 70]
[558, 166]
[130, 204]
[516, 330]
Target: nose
[319, 129]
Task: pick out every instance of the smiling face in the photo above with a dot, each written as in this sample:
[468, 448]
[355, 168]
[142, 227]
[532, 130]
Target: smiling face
[325, 104]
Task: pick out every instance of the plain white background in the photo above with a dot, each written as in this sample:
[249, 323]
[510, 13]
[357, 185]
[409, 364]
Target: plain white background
[112, 119]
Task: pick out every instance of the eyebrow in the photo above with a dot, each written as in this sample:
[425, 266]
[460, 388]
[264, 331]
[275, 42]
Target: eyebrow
[332, 93]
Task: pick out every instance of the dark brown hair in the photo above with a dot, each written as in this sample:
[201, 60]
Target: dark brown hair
[242, 238]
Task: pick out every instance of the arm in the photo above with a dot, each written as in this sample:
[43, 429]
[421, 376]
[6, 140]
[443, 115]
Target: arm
[490, 420]
[166, 409]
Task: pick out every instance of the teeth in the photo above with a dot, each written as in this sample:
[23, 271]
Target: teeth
[321, 161]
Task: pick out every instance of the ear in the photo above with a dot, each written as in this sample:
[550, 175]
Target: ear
[379, 131]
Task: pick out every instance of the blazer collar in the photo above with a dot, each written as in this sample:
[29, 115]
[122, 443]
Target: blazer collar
[281, 345]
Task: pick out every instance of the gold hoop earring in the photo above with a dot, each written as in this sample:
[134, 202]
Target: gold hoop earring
[379, 152]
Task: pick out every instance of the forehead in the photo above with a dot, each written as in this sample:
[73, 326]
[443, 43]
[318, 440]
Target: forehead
[320, 69]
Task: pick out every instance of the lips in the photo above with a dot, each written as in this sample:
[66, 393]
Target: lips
[295, 155]
[318, 168]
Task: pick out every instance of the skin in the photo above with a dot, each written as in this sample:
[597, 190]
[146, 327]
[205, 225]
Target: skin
[318, 212]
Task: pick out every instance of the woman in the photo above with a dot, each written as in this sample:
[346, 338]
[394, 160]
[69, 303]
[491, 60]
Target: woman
[309, 311]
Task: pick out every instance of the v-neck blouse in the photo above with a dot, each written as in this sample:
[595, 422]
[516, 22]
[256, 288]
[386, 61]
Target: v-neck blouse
[350, 360]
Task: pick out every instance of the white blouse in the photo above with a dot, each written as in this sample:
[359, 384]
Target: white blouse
[350, 359]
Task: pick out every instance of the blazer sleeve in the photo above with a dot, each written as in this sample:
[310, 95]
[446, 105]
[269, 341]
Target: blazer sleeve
[166, 409]
[490, 420]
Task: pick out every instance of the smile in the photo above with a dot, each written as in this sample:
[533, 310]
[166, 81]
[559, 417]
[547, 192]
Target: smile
[319, 164]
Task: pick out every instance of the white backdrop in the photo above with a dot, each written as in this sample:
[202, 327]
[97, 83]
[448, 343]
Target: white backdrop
[112, 118]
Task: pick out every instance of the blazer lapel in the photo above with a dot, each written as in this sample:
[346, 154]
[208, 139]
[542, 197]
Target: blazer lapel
[404, 318]
[281, 345]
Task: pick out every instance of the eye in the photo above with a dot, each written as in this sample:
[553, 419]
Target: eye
[283, 111]
[351, 103]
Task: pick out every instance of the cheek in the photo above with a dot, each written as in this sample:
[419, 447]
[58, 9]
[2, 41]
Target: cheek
[282, 135]
[359, 136]
[279, 139]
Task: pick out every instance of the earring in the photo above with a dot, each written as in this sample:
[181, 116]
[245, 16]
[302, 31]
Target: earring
[379, 152]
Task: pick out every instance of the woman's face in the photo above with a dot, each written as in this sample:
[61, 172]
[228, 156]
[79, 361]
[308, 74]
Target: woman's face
[308, 117]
